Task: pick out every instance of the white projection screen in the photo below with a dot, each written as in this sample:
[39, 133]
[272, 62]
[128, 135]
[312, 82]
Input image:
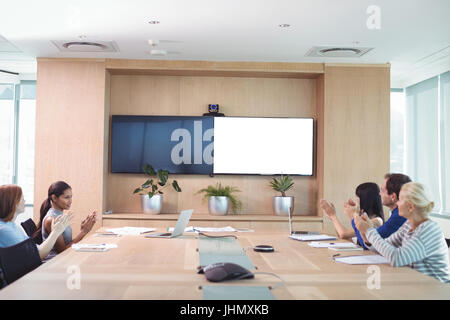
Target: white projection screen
[266, 146]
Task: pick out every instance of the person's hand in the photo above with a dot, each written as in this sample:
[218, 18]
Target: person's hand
[328, 208]
[362, 223]
[61, 223]
[88, 222]
[351, 208]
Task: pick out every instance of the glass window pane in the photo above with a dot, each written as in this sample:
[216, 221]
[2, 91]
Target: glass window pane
[445, 140]
[6, 141]
[423, 136]
[28, 91]
[6, 91]
[25, 156]
[397, 131]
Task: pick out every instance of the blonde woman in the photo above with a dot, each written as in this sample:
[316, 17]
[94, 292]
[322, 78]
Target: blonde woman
[419, 243]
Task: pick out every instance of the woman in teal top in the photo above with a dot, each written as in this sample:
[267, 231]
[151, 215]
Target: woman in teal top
[60, 199]
[12, 203]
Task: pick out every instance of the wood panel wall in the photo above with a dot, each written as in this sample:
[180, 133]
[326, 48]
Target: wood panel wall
[76, 97]
[70, 118]
[356, 132]
[181, 95]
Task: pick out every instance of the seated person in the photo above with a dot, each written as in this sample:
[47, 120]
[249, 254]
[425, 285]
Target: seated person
[390, 190]
[419, 243]
[60, 199]
[12, 203]
[368, 196]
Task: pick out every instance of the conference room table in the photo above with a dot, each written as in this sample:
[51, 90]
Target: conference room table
[165, 269]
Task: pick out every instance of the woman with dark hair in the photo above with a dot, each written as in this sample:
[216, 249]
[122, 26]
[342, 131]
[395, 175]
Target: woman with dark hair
[60, 199]
[368, 196]
[12, 203]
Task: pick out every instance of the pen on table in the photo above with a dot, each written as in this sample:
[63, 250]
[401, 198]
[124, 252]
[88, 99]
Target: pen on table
[147, 231]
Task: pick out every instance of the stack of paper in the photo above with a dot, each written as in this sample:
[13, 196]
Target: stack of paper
[135, 231]
[363, 259]
[207, 229]
[311, 237]
[338, 246]
[93, 247]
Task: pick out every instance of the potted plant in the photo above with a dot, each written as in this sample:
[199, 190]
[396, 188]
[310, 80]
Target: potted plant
[282, 204]
[151, 190]
[219, 199]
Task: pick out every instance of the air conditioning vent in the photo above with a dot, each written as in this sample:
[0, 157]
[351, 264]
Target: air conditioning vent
[85, 46]
[337, 52]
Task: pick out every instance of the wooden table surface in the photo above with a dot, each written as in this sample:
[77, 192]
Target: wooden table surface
[144, 268]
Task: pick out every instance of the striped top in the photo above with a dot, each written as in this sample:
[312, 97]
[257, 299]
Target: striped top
[423, 249]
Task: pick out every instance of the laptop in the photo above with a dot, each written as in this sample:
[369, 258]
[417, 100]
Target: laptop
[292, 234]
[182, 223]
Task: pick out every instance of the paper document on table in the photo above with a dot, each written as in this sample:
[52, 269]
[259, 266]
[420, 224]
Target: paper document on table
[206, 229]
[337, 246]
[362, 259]
[353, 247]
[134, 231]
[311, 237]
[93, 247]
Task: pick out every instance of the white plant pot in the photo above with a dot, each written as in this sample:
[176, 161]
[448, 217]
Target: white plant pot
[218, 205]
[152, 205]
[281, 205]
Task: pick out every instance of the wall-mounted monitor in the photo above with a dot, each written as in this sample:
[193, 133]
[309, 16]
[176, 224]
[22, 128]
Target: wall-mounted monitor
[178, 144]
[212, 145]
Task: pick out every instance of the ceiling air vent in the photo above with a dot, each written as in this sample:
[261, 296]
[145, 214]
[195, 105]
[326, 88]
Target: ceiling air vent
[85, 46]
[337, 52]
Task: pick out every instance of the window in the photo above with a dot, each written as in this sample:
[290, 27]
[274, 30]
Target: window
[420, 136]
[6, 133]
[17, 133]
[397, 163]
[26, 135]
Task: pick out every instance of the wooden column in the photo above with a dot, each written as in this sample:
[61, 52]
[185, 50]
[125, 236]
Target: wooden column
[356, 117]
[70, 132]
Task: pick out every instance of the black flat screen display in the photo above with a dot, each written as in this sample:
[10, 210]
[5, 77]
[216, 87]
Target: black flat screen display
[179, 144]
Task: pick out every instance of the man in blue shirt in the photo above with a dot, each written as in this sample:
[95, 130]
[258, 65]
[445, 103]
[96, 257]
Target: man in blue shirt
[389, 192]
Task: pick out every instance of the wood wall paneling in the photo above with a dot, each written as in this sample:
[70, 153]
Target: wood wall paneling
[76, 97]
[70, 133]
[356, 132]
[181, 95]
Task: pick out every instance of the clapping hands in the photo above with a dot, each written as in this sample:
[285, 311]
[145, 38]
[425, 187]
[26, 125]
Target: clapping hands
[88, 222]
[62, 222]
[328, 208]
[351, 208]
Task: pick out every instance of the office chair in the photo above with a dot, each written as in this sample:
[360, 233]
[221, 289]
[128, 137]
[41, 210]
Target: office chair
[30, 228]
[18, 260]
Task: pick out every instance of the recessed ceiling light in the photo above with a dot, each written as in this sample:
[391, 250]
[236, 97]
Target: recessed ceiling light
[153, 22]
[284, 25]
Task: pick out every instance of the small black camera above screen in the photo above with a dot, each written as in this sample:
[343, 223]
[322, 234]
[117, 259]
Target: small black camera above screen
[213, 107]
[213, 111]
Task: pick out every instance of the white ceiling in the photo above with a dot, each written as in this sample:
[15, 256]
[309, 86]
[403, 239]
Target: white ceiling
[414, 35]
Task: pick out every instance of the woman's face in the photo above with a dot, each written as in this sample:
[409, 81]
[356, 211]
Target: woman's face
[21, 205]
[64, 201]
[405, 208]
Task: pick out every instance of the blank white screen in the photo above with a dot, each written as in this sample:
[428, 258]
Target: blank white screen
[263, 146]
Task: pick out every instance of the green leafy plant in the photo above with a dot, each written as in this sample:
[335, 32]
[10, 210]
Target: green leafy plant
[220, 191]
[282, 184]
[155, 186]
